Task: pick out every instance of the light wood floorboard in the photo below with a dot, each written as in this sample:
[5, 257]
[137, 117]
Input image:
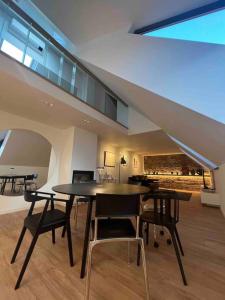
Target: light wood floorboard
[49, 275]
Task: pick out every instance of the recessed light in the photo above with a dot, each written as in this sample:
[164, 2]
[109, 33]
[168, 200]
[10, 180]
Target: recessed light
[45, 102]
[86, 121]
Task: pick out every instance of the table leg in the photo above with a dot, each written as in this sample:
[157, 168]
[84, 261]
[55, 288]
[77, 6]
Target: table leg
[86, 237]
[3, 186]
[13, 185]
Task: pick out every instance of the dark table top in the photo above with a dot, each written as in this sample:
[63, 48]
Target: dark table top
[13, 176]
[91, 189]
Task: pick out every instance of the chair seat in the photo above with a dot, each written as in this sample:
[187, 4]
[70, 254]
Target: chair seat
[158, 219]
[114, 228]
[53, 217]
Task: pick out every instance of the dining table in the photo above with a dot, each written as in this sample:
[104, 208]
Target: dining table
[12, 179]
[90, 190]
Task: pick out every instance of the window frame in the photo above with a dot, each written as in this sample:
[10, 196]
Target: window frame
[180, 18]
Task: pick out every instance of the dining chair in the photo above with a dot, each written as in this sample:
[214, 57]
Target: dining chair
[166, 214]
[78, 201]
[28, 182]
[38, 223]
[147, 204]
[112, 223]
[31, 181]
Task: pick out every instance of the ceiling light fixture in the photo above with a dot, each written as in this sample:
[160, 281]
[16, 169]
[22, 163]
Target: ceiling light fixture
[47, 103]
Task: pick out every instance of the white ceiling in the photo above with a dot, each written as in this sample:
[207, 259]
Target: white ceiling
[85, 20]
[26, 148]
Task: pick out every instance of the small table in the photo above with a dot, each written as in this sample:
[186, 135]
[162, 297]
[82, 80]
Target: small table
[11, 178]
[90, 190]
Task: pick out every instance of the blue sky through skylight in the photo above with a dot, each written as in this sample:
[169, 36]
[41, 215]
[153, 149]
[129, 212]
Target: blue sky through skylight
[209, 28]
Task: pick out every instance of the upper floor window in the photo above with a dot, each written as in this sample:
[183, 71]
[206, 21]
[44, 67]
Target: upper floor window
[209, 28]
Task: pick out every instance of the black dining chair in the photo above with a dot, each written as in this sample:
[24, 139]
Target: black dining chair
[28, 182]
[80, 200]
[165, 213]
[38, 223]
[113, 223]
[148, 205]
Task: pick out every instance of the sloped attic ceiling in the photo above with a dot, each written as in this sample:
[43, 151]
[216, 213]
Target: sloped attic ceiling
[200, 133]
[85, 20]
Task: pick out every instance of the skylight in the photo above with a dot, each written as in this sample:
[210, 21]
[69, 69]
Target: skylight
[208, 28]
[15, 53]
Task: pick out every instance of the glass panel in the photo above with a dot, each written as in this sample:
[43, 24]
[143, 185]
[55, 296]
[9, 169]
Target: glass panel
[110, 106]
[53, 64]
[23, 43]
[122, 113]
[95, 94]
[81, 79]
[208, 28]
[67, 75]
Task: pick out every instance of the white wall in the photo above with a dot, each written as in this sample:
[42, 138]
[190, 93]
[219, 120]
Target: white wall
[60, 161]
[84, 151]
[126, 170]
[220, 186]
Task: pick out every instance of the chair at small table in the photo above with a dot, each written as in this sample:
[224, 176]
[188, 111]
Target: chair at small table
[28, 182]
[166, 214]
[39, 223]
[148, 205]
[112, 223]
[80, 200]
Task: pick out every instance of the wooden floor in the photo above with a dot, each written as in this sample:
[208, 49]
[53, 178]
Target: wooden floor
[49, 275]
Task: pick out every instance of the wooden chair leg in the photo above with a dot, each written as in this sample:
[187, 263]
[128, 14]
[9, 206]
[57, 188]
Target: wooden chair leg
[53, 236]
[128, 253]
[76, 213]
[18, 244]
[147, 233]
[70, 247]
[179, 242]
[178, 256]
[145, 269]
[87, 289]
[64, 231]
[27, 259]
[139, 246]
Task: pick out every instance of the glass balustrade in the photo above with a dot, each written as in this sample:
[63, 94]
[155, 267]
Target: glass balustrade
[22, 42]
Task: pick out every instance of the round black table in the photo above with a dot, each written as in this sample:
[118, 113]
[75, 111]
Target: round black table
[90, 190]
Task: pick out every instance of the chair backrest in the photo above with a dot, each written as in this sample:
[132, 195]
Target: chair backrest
[31, 196]
[117, 205]
[30, 177]
[166, 205]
